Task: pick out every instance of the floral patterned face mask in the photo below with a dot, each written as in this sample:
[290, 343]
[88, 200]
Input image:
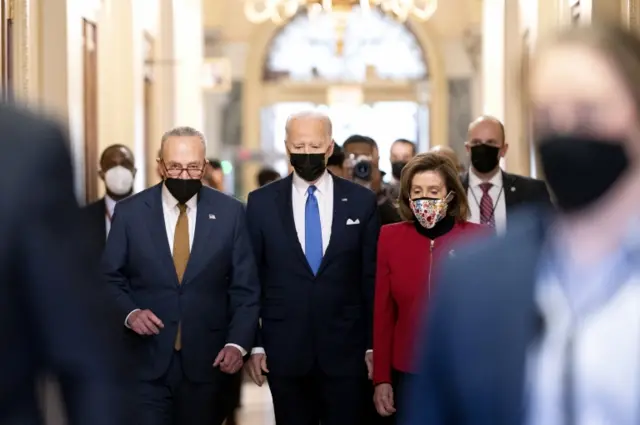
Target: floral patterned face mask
[429, 211]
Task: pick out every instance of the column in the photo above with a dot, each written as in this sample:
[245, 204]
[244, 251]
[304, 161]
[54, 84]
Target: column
[188, 54]
[501, 48]
[25, 48]
[179, 64]
[61, 73]
[120, 74]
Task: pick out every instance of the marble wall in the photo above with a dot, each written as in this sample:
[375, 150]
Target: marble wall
[460, 113]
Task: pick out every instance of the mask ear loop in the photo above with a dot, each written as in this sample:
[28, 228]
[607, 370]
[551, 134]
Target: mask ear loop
[449, 197]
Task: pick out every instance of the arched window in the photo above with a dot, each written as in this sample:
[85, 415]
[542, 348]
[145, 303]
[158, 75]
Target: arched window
[306, 49]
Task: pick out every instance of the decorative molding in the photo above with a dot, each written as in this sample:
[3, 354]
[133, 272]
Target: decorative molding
[631, 14]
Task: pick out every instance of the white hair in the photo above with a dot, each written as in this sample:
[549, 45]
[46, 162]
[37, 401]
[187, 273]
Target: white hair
[314, 116]
[183, 131]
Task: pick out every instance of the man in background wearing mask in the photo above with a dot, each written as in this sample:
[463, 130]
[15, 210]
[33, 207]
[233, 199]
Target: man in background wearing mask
[315, 238]
[117, 171]
[494, 194]
[402, 150]
[363, 157]
[180, 266]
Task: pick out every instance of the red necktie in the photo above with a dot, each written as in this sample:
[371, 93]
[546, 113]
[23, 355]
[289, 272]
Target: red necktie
[486, 206]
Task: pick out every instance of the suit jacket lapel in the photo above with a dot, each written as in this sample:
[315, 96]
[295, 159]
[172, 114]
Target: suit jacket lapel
[285, 207]
[101, 218]
[465, 181]
[202, 247]
[340, 216]
[158, 232]
[511, 194]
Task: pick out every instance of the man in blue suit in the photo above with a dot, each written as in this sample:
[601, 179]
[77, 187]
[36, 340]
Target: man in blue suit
[179, 262]
[314, 237]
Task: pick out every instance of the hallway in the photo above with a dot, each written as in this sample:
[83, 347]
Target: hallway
[256, 406]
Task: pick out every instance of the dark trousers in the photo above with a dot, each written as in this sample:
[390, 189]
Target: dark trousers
[234, 393]
[316, 398]
[399, 382]
[174, 400]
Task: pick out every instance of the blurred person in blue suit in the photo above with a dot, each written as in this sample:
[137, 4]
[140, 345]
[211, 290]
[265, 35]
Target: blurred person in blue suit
[542, 327]
[54, 316]
[180, 265]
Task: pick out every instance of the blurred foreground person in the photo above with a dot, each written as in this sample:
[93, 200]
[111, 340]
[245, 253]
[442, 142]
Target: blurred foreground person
[117, 171]
[314, 237]
[542, 327]
[54, 317]
[434, 206]
[180, 266]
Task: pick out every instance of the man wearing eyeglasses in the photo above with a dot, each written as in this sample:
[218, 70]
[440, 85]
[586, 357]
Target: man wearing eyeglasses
[180, 265]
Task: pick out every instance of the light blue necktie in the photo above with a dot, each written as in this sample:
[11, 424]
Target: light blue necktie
[312, 231]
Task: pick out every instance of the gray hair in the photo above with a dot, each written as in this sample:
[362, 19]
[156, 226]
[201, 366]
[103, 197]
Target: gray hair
[183, 131]
[311, 115]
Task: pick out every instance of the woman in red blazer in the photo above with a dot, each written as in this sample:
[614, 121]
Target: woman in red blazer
[434, 206]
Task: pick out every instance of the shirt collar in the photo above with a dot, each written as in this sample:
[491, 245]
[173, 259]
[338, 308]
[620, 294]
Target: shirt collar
[322, 185]
[169, 201]
[474, 181]
[110, 204]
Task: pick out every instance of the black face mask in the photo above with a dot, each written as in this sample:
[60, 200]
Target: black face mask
[183, 189]
[396, 168]
[309, 166]
[580, 170]
[484, 158]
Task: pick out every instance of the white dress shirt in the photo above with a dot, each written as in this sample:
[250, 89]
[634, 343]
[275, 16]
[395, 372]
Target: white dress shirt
[324, 195]
[474, 195]
[171, 214]
[110, 205]
[600, 306]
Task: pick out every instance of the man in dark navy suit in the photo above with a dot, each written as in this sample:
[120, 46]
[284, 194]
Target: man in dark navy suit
[495, 195]
[315, 238]
[54, 318]
[180, 264]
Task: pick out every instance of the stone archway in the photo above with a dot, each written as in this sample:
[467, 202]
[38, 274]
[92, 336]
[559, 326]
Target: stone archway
[259, 48]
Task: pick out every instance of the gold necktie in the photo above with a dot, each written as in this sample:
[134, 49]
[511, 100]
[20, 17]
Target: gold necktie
[181, 251]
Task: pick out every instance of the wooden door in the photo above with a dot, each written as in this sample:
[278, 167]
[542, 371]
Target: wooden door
[90, 84]
[6, 50]
[149, 145]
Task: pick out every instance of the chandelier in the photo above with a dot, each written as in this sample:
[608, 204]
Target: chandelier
[279, 11]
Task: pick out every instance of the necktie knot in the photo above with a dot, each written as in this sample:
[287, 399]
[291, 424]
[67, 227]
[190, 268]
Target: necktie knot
[182, 208]
[486, 187]
[311, 190]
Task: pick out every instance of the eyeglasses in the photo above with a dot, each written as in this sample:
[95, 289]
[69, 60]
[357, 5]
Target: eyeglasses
[174, 170]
